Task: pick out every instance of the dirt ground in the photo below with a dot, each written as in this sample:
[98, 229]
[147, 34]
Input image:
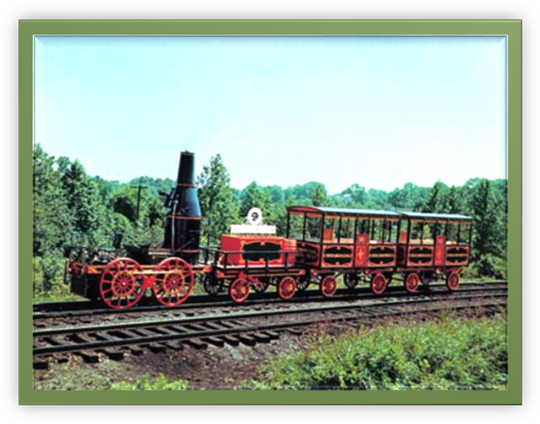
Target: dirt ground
[211, 368]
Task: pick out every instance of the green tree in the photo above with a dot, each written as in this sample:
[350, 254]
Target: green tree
[276, 193]
[253, 196]
[85, 205]
[280, 216]
[124, 202]
[216, 198]
[107, 189]
[487, 222]
[355, 196]
[154, 185]
[378, 199]
[302, 194]
[454, 201]
[489, 232]
[410, 197]
[319, 196]
[52, 219]
[437, 197]
[146, 227]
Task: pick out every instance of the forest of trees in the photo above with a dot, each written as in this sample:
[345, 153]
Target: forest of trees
[73, 210]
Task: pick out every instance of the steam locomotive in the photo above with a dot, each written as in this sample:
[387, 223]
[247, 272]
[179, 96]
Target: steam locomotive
[321, 244]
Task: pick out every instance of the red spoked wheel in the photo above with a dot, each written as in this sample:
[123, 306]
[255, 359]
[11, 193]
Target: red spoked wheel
[239, 290]
[122, 283]
[287, 288]
[303, 283]
[412, 281]
[378, 284]
[174, 282]
[261, 285]
[452, 281]
[212, 285]
[328, 286]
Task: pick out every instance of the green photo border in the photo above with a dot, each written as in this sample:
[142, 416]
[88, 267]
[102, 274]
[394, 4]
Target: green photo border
[510, 28]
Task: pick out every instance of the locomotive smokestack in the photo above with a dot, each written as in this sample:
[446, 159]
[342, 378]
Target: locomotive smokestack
[182, 227]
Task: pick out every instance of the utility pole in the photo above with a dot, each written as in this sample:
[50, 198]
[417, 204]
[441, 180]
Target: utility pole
[138, 203]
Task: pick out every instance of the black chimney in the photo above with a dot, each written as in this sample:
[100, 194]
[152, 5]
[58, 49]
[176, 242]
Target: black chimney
[183, 223]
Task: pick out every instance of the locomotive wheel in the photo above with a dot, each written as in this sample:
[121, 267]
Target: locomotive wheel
[411, 282]
[262, 285]
[452, 281]
[121, 284]
[174, 282]
[328, 286]
[239, 290]
[350, 280]
[388, 276]
[427, 278]
[303, 283]
[212, 286]
[378, 284]
[287, 287]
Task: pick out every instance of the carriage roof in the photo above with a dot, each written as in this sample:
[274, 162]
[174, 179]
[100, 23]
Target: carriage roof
[436, 216]
[342, 211]
[322, 210]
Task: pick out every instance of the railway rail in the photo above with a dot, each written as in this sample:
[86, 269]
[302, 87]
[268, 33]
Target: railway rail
[65, 309]
[244, 325]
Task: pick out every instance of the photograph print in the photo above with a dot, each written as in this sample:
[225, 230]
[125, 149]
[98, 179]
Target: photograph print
[270, 213]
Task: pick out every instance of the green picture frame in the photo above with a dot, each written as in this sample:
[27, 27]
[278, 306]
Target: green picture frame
[512, 29]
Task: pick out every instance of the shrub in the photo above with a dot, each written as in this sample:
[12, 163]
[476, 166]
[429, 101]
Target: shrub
[49, 278]
[490, 266]
[451, 354]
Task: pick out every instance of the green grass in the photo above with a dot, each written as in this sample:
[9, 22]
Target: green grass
[451, 354]
[57, 293]
[144, 383]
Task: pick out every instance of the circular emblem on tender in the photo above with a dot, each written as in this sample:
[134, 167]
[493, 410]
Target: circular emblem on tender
[254, 216]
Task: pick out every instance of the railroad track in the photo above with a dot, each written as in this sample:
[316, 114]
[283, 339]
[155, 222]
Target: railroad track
[49, 310]
[241, 326]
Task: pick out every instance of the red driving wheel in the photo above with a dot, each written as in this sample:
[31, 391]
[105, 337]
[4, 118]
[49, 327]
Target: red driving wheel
[287, 287]
[411, 282]
[378, 284]
[239, 290]
[122, 283]
[328, 286]
[174, 282]
[452, 281]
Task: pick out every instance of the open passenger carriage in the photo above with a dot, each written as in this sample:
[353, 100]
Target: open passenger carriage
[376, 246]
[432, 245]
[358, 244]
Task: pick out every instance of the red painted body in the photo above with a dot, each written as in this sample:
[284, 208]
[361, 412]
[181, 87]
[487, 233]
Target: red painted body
[440, 251]
[362, 242]
[244, 248]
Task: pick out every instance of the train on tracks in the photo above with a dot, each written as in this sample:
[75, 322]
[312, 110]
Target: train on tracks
[321, 244]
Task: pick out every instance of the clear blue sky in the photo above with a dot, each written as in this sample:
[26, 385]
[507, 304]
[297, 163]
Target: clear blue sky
[377, 111]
